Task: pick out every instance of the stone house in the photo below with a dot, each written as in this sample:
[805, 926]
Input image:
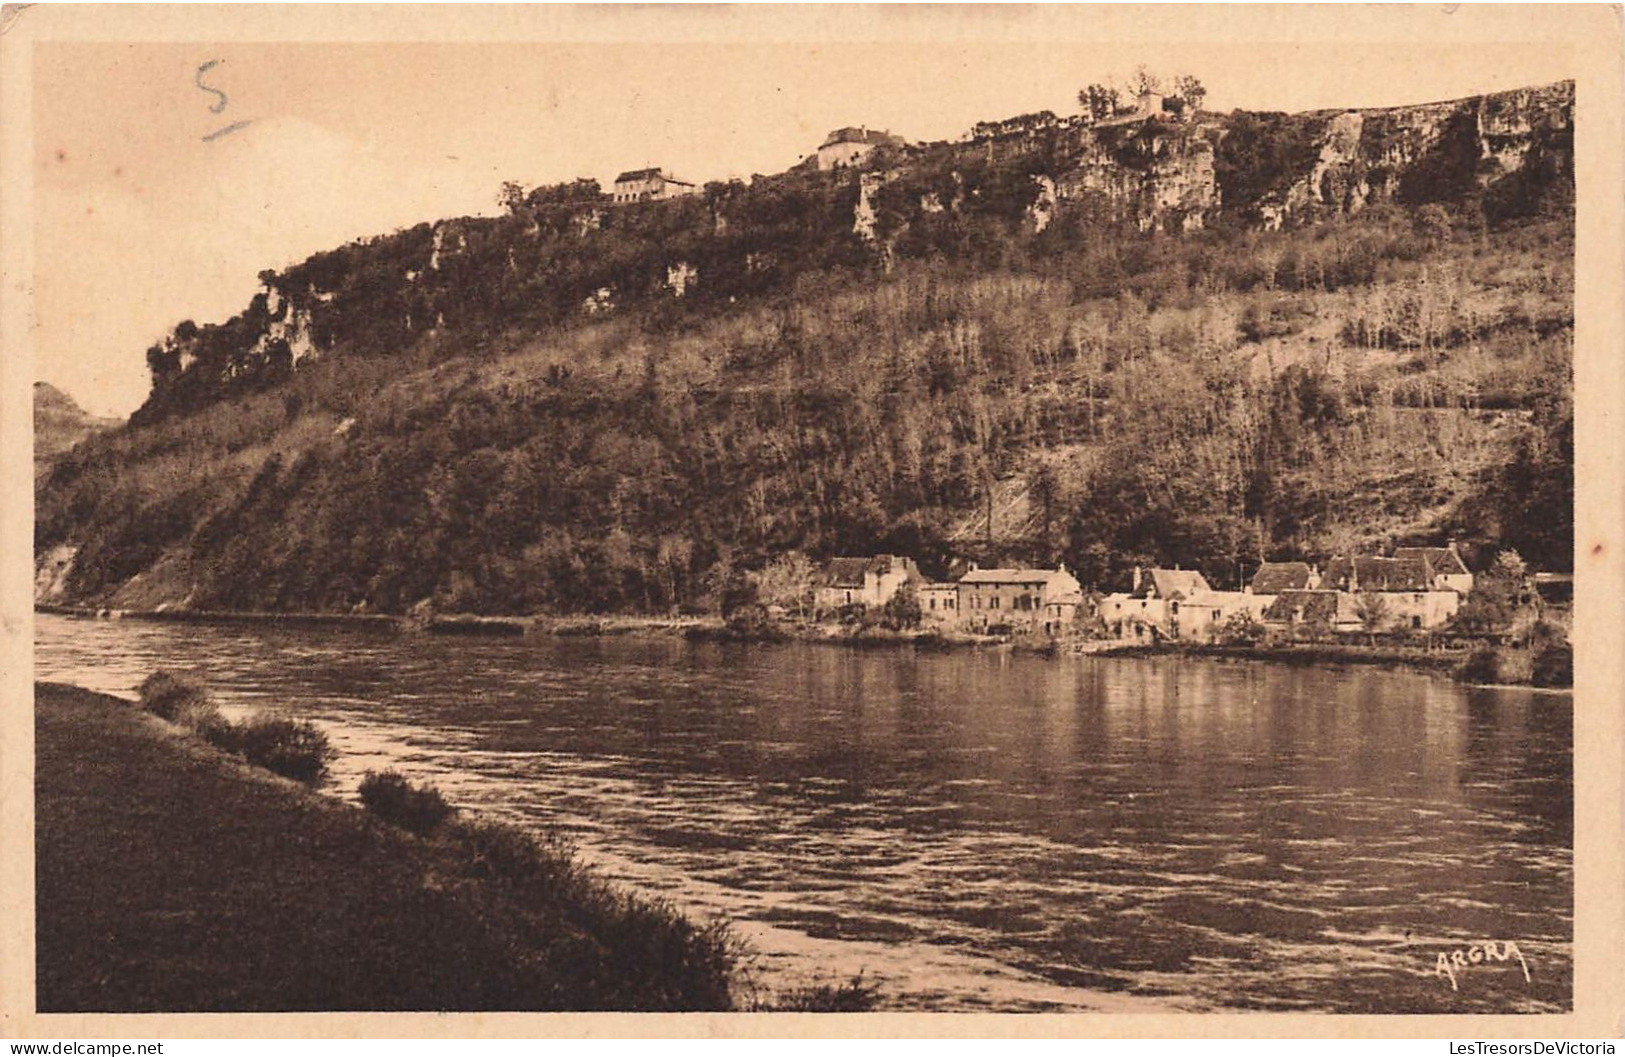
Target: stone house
[846, 147]
[1334, 610]
[1412, 593]
[939, 604]
[1202, 615]
[643, 185]
[865, 582]
[1445, 564]
[1045, 601]
[1150, 608]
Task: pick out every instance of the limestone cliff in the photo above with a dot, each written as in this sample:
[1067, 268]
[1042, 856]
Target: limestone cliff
[563, 253]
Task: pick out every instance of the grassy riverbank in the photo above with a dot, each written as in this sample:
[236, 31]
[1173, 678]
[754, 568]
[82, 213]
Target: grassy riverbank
[171, 877]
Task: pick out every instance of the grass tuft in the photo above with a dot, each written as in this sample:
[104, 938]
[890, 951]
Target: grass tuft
[854, 996]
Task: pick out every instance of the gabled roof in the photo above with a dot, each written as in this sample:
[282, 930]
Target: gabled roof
[849, 572]
[1363, 573]
[1177, 583]
[1305, 606]
[843, 572]
[636, 175]
[1274, 577]
[1443, 561]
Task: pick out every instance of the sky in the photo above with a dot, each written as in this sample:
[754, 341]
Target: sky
[147, 212]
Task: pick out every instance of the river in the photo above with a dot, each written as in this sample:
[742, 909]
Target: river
[974, 830]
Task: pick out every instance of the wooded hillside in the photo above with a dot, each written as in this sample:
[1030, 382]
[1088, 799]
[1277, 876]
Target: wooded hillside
[1058, 345]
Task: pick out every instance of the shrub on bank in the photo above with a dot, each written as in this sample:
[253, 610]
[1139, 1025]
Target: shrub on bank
[416, 809]
[1553, 666]
[176, 697]
[499, 852]
[1483, 665]
[293, 748]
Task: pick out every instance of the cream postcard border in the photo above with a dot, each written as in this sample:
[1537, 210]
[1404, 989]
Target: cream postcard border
[1590, 34]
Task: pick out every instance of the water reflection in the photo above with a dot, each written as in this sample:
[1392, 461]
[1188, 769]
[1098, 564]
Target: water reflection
[978, 829]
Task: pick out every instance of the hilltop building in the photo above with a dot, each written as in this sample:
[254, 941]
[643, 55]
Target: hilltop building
[643, 185]
[848, 146]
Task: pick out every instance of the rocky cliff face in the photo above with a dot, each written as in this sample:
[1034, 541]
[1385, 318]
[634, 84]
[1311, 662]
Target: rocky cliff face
[564, 254]
[1454, 152]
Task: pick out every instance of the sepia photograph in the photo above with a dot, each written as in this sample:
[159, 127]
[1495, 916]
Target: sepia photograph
[811, 510]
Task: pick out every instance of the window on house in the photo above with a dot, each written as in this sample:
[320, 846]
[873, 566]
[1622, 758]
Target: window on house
[933, 603]
[994, 604]
[1416, 622]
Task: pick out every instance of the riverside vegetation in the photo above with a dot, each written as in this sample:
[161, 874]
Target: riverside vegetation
[431, 911]
[1011, 350]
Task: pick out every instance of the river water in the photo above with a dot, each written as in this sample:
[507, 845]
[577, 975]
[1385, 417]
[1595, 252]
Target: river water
[974, 830]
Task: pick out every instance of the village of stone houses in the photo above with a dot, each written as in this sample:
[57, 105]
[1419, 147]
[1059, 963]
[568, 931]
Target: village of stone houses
[1413, 597]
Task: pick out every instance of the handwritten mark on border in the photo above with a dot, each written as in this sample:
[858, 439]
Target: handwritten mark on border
[216, 107]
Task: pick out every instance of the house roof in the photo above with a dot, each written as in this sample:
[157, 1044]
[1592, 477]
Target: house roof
[873, 137]
[1007, 576]
[1443, 561]
[1274, 577]
[1045, 579]
[1364, 573]
[1177, 583]
[849, 572]
[1306, 606]
[636, 175]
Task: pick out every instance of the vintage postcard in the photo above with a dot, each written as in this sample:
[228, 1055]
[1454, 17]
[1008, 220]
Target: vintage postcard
[968, 520]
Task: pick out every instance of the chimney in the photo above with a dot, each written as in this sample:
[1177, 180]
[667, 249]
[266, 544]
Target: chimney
[1136, 588]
